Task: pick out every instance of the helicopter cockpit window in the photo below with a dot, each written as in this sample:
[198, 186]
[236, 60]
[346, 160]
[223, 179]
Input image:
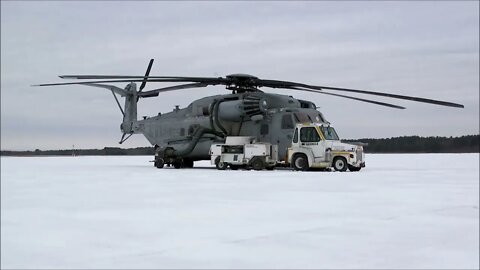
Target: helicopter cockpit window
[301, 117]
[287, 122]
[309, 134]
[329, 133]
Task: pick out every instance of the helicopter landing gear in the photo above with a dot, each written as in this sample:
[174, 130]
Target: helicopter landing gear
[187, 163]
[177, 164]
[159, 162]
[182, 163]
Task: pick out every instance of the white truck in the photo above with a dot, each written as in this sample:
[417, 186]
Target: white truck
[243, 152]
[316, 145]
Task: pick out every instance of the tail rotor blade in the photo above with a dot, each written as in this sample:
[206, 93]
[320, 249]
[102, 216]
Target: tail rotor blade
[146, 75]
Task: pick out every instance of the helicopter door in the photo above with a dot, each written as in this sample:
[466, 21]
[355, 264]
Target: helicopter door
[309, 138]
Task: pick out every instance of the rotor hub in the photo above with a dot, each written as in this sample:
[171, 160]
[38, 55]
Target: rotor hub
[241, 83]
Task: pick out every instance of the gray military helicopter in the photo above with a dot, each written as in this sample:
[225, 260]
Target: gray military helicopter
[185, 135]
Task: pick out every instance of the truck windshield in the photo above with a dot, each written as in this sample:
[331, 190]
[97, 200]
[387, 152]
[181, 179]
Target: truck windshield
[329, 133]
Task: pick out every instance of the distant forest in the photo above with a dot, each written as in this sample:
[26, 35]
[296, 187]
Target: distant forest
[406, 144]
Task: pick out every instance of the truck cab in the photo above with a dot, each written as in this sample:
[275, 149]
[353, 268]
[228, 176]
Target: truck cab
[317, 145]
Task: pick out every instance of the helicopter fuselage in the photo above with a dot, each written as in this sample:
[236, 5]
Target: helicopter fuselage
[268, 117]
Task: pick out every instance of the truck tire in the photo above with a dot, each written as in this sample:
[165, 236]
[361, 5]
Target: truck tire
[257, 164]
[353, 168]
[340, 164]
[220, 164]
[300, 162]
[159, 163]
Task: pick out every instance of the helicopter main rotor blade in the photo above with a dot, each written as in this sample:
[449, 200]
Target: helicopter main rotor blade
[277, 84]
[343, 96]
[112, 77]
[155, 92]
[248, 82]
[179, 79]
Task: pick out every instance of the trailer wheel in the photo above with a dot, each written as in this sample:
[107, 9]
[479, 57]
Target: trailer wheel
[220, 164]
[353, 168]
[300, 162]
[270, 168]
[159, 162]
[257, 164]
[340, 164]
[235, 167]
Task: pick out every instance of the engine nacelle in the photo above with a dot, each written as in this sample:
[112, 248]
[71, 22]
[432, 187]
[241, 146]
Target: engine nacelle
[237, 110]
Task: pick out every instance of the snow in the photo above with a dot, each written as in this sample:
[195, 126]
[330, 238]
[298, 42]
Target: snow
[401, 211]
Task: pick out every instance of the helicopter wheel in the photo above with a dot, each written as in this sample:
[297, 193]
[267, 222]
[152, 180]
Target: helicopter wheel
[188, 163]
[159, 163]
[177, 164]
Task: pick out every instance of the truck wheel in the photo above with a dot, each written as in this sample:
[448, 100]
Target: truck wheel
[340, 164]
[220, 164]
[257, 164]
[353, 168]
[300, 162]
[159, 163]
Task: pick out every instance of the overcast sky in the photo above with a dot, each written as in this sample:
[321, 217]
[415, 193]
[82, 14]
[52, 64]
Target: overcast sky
[427, 49]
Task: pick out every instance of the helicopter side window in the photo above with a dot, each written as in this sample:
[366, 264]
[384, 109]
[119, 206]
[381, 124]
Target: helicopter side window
[264, 129]
[301, 117]
[309, 134]
[287, 122]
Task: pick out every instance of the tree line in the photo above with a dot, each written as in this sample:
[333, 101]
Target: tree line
[416, 144]
[404, 144]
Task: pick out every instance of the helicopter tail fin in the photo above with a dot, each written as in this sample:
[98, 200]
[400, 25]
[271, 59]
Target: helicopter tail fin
[130, 113]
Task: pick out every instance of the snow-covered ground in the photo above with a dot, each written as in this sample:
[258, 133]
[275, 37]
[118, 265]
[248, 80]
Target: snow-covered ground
[401, 211]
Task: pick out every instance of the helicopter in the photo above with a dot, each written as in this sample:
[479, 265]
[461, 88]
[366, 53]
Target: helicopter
[185, 135]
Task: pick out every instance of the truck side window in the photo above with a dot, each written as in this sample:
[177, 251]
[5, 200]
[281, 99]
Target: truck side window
[295, 136]
[309, 134]
[287, 122]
